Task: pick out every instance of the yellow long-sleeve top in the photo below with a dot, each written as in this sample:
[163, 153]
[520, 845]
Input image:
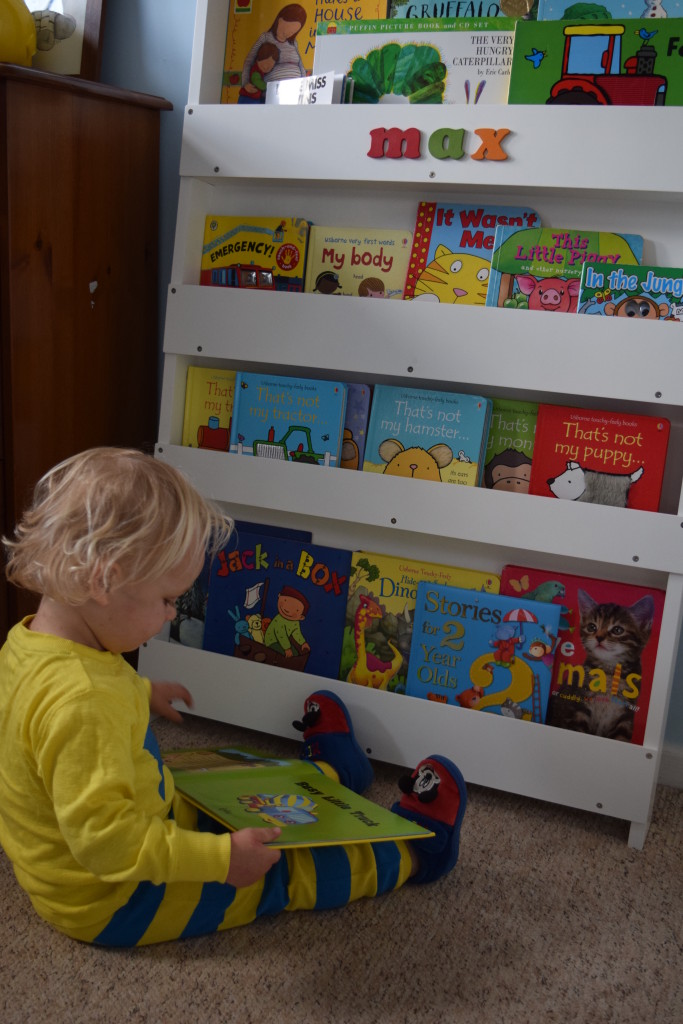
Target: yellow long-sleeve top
[84, 804]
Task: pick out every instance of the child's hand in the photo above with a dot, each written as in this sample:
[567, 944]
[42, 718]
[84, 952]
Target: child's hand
[163, 694]
[249, 857]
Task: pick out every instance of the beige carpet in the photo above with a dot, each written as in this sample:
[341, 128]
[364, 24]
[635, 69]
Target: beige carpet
[549, 917]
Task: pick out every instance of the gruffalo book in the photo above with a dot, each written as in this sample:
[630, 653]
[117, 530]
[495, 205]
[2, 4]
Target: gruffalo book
[483, 651]
[634, 292]
[510, 445]
[366, 262]
[379, 614]
[599, 456]
[606, 649]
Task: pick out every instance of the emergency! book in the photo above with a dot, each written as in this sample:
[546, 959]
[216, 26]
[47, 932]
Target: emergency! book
[278, 601]
[370, 262]
[606, 649]
[379, 614]
[266, 253]
[427, 435]
[598, 61]
[510, 445]
[242, 789]
[294, 419]
[607, 458]
[540, 268]
[450, 259]
[209, 394]
[637, 292]
[483, 651]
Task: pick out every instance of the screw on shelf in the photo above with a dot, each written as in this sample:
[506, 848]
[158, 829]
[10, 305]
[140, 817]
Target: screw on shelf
[216, 170]
[409, 369]
[432, 174]
[394, 520]
[635, 558]
[199, 348]
[649, 756]
[599, 806]
[190, 111]
[173, 291]
[658, 394]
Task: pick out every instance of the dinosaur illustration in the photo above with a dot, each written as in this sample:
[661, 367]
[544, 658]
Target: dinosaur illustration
[369, 670]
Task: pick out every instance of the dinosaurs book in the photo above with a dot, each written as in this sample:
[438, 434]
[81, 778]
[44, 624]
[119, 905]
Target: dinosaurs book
[243, 789]
[483, 651]
[367, 262]
[608, 458]
[379, 614]
[606, 649]
[637, 292]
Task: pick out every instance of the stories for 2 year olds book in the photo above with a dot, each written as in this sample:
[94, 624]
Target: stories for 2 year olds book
[243, 789]
[483, 651]
[510, 445]
[209, 394]
[262, 253]
[634, 292]
[367, 262]
[379, 614]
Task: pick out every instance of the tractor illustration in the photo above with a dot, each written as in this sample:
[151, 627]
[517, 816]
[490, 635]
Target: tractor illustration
[272, 449]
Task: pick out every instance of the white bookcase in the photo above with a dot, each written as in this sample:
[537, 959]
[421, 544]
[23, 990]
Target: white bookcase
[613, 169]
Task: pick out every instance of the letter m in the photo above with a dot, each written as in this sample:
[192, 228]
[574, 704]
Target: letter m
[394, 143]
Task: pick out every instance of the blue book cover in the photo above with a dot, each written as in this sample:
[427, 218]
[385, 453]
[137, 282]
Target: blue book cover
[640, 292]
[358, 398]
[295, 419]
[483, 651]
[566, 10]
[427, 435]
[278, 601]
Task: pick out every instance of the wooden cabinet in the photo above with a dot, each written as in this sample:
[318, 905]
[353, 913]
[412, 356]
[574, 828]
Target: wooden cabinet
[78, 280]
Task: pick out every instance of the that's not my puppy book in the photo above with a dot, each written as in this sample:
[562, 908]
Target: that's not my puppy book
[540, 268]
[633, 292]
[427, 435]
[482, 651]
[261, 253]
[380, 609]
[450, 259]
[366, 262]
[606, 649]
[510, 445]
[293, 419]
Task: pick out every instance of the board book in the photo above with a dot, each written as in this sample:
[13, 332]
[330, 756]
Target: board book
[268, 41]
[278, 601]
[457, 60]
[606, 649]
[293, 419]
[433, 9]
[379, 614]
[602, 457]
[510, 445]
[242, 789]
[265, 253]
[358, 399]
[540, 268]
[563, 10]
[366, 262]
[600, 61]
[483, 651]
[635, 292]
[209, 394]
[450, 260]
[427, 435]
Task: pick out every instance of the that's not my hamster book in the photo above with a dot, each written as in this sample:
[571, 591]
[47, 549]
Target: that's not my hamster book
[366, 262]
[633, 292]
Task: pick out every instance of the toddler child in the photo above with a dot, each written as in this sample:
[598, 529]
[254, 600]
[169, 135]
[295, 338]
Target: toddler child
[107, 851]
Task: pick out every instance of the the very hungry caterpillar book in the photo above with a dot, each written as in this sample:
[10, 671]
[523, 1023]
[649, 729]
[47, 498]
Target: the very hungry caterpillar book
[540, 268]
[482, 651]
[265, 253]
[243, 789]
[606, 649]
[366, 262]
[635, 292]
[379, 614]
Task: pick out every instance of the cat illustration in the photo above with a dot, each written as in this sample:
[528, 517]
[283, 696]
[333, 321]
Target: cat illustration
[454, 277]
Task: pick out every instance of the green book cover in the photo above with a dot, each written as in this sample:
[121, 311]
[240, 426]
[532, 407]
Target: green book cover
[242, 789]
[510, 445]
[636, 292]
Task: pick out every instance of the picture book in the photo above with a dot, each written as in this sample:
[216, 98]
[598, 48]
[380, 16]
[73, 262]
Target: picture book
[268, 41]
[510, 445]
[278, 601]
[358, 398]
[638, 292]
[483, 651]
[608, 458]
[458, 60]
[602, 60]
[290, 418]
[379, 614]
[243, 789]
[450, 259]
[567, 10]
[540, 268]
[320, 89]
[606, 649]
[209, 394]
[370, 262]
[427, 435]
[267, 253]
[450, 9]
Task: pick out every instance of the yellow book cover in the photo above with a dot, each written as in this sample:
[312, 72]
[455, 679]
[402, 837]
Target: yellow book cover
[209, 395]
[370, 262]
[268, 40]
[379, 614]
[254, 252]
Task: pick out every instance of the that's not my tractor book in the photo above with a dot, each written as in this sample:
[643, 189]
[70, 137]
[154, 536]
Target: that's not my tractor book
[259, 253]
[483, 651]
[510, 445]
[209, 394]
[379, 614]
[599, 61]
[450, 259]
[366, 262]
[633, 292]
[606, 649]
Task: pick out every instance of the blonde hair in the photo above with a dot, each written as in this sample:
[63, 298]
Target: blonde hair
[111, 514]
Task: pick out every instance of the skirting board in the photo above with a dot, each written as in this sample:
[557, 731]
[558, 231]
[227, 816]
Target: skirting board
[671, 766]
